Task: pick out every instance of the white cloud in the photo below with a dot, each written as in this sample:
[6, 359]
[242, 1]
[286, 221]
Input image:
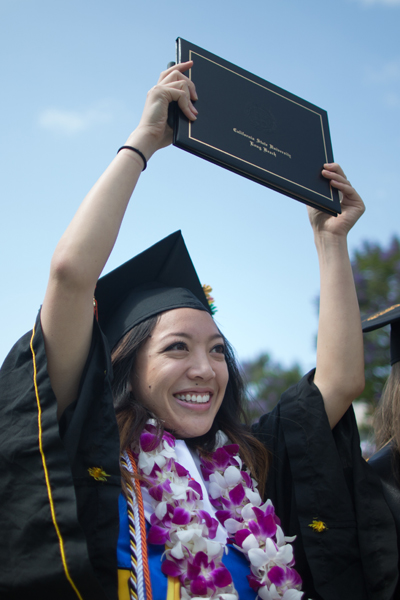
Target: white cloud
[71, 122]
[386, 73]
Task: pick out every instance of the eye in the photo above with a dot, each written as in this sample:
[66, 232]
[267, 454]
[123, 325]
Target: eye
[219, 349]
[180, 346]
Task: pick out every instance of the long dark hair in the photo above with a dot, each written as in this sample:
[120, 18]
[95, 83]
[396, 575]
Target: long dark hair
[231, 417]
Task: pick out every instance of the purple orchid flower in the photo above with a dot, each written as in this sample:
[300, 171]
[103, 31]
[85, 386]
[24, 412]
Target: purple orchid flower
[284, 578]
[204, 574]
[211, 524]
[173, 567]
[219, 460]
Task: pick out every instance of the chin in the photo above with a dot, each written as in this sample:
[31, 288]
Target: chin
[189, 432]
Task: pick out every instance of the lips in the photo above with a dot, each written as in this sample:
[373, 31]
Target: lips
[193, 398]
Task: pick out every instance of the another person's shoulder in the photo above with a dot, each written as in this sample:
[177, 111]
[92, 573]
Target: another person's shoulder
[386, 462]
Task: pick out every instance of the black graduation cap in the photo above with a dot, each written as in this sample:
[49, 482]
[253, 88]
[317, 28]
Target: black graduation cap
[160, 278]
[388, 316]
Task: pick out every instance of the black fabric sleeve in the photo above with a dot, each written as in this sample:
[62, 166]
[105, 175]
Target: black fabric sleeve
[319, 474]
[59, 525]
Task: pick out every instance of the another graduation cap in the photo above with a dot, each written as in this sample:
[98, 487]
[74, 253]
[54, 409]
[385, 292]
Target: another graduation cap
[388, 316]
[160, 278]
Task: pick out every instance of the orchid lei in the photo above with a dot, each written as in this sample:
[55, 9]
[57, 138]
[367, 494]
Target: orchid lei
[181, 524]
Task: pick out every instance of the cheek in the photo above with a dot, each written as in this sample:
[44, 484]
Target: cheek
[144, 395]
[223, 377]
[142, 386]
[138, 391]
[144, 377]
[153, 384]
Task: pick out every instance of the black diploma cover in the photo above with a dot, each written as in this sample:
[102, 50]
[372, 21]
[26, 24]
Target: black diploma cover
[254, 128]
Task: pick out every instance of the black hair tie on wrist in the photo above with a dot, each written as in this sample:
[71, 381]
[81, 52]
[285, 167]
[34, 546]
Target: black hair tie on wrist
[137, 152]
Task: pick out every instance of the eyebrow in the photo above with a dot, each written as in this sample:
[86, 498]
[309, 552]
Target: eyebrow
[188, 336]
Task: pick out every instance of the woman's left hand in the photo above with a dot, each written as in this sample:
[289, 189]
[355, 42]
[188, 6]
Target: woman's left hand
[340, 356]
[351, 204]
[153, 131]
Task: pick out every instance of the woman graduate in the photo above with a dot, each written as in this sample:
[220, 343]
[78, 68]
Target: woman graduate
[194, 479]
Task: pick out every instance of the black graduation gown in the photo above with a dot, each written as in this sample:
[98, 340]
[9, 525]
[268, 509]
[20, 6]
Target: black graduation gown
[320, 474]
[60, 526]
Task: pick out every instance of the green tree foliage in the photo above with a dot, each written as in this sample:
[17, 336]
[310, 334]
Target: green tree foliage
[377, 276]
[266, 381]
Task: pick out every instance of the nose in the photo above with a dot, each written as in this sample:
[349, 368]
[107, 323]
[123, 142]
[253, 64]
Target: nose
[201, 367]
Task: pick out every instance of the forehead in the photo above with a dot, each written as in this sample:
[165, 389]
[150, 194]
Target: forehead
[185, 320]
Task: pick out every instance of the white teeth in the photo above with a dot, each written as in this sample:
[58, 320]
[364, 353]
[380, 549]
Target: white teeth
[199, 399]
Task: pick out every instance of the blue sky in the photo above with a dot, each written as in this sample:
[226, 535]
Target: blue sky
[74, 76]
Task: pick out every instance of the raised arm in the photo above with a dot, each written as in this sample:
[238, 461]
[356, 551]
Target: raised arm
[83, 250]
[340, 357]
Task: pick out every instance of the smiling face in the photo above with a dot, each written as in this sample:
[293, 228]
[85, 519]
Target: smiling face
[180, 372]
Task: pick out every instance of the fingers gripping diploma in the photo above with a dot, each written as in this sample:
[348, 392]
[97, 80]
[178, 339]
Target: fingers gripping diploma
[351, 203]
[172, 86]
[340, 357]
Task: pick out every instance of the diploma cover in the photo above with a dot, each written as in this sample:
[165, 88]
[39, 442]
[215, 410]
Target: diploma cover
[254, 128]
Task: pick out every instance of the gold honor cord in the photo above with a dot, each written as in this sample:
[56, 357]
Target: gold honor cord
[173, 589]
[146, 570]
[123, 584]
[46, 474]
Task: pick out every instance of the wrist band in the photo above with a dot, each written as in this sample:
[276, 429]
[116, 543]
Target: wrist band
[137, 152]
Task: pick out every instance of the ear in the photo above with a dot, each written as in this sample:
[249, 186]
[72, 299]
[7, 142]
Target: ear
[129, 387]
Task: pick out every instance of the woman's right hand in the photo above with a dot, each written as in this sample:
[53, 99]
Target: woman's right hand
[153, 131]
[82, 252]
